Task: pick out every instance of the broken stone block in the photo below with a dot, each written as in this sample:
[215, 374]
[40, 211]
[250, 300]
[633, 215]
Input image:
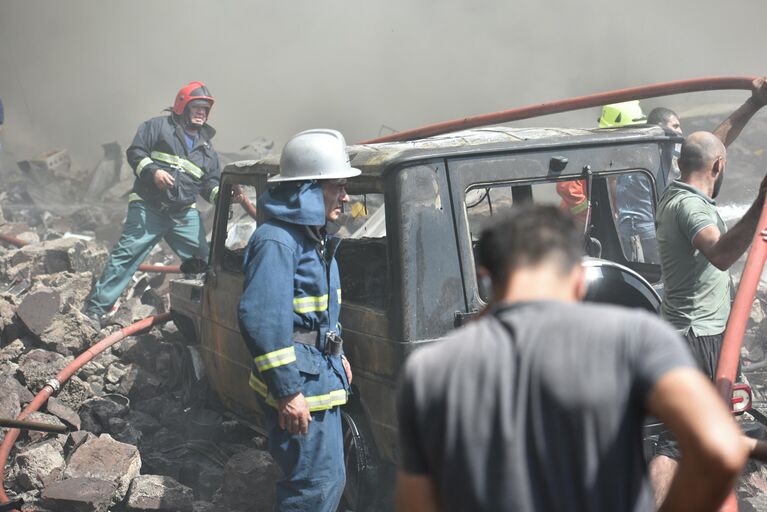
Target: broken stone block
[12, 351]
[161, 493]
[63, 412]
[38, 309]
[41, 417]
[80, 495]
[124, 432]
[50, 257]
[139, 384]
[95, 413]
[38, 465]
[8, 383]
[38, 365]
[249, 480]
[115, 372]
[9, 330]
[106, 459]
[74, 392]
[68, 334]
[76, 439]
[9, 406]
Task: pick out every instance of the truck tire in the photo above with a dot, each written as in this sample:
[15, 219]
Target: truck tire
[362, 464]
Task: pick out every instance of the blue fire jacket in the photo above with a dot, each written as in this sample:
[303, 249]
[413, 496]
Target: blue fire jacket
[292, 281]
[160, 144]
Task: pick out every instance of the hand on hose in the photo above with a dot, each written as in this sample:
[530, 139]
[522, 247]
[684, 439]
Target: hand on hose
[760, 90]
[347, 369]
[237, 194]
[293, 414]
[163, 180]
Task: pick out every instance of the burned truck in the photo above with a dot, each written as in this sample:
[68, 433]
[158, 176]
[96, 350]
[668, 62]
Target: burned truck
[407, 260]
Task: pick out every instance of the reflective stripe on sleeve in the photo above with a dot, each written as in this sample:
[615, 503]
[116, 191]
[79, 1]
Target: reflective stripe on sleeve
[580, 207]
[338, 291]
[213, 195]
[315, 403]
[140, 167]
[134, 197]
[177, 161]
[274, 359]
[309, 304]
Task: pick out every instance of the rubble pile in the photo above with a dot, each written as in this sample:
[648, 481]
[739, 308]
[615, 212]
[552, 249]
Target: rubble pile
[143, 430]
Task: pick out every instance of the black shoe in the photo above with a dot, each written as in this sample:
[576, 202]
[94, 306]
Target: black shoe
[97, 321]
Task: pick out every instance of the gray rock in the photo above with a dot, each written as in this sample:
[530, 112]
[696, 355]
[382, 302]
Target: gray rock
[115, 372]
[50, 257]
[95, 413]
[38, 308]
[80, 495]
[13, 350]
[38, 365]
[106, 459]
[249, 480]
[9, 406]
[74, 392]
[63, 412]
[41, 417]
[162, 493]
[38, 465]
[75, 440]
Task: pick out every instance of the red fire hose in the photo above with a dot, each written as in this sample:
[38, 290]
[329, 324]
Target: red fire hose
[580, 102]
[55, 384]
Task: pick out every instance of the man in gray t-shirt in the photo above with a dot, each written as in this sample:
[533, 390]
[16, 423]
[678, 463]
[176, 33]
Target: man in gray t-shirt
[538, 405]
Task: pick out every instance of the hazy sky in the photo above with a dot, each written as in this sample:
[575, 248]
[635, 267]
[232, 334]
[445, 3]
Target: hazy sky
[80, 73]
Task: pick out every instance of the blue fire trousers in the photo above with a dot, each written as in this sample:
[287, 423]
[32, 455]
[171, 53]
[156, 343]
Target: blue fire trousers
[313, 464]
[144, 227]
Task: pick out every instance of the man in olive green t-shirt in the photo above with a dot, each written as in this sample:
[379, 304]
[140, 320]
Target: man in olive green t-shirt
[696, 250]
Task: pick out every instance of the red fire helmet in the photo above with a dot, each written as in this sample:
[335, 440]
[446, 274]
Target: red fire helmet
[191, 91]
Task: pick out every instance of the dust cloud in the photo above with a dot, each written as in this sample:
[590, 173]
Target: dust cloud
[79, 73]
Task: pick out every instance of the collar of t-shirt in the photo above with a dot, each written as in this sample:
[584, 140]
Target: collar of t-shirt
[190, 140]
[689, 188]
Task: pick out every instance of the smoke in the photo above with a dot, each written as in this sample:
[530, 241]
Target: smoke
[79, 73]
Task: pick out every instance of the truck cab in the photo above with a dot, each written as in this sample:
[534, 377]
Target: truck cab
[407, 261]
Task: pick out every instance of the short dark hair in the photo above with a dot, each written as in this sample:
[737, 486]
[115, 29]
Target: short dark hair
[660, 116]
[529, 235]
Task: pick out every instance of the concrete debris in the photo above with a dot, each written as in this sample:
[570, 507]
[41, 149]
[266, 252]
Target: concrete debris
[161, 493]
[60, 255]
[249, 480]
[38, 309]
[79, 495]
[49, 419]
[105, 459]
[66, 414]
[38, 465]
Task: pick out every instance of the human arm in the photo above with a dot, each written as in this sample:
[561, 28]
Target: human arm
[211, 180]
[138, 156]
[266, 322]
[722, 250]
[710, 441]
[416, 493]
[731, 127]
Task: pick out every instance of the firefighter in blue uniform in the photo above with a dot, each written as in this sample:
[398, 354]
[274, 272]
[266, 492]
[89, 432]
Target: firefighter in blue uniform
[289, 319]
[174, 161]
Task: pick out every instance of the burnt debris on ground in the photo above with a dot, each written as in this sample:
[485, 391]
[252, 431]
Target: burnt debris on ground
[144, 432]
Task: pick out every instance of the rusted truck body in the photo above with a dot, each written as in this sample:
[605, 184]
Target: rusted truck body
[407, 259]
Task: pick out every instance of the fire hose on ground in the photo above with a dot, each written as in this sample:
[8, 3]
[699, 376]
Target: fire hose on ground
[53, 385]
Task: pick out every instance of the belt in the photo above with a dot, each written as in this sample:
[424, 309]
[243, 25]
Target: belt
[305, 336]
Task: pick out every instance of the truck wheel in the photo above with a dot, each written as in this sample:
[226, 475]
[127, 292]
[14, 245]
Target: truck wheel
[361, 461]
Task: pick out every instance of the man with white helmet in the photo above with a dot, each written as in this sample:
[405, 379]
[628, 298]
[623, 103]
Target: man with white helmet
[289, 319]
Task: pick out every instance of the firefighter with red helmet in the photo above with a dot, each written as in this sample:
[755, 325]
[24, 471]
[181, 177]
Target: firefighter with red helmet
[174, 161]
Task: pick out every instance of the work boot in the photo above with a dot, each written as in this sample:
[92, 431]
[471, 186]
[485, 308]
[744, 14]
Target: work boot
[96, 321]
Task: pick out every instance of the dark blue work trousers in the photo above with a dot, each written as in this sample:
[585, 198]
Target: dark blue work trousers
[313, 465]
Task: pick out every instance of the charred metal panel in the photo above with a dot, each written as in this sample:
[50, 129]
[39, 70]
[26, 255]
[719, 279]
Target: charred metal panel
[430, 279]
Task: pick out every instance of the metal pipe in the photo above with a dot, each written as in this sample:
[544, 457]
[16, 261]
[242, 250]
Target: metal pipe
[54, 384]
[18, 242]
[577, 103]
[33, 425]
